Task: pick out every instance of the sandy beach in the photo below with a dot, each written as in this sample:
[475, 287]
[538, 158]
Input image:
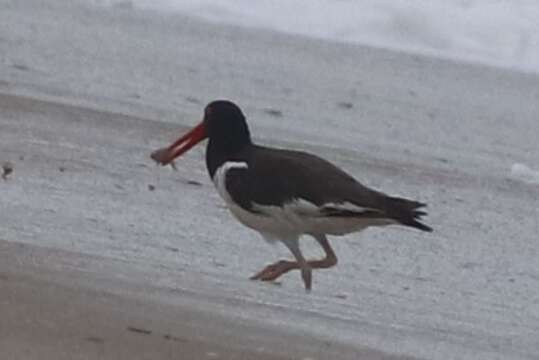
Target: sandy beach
[48, 314]
[104, 255]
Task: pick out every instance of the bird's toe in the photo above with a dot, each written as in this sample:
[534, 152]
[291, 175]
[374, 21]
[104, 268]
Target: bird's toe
[273, 271]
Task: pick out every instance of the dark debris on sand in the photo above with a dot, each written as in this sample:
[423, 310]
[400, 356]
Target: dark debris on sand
[7, 169]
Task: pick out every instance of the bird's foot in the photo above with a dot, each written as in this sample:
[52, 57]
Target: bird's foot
[273, 271]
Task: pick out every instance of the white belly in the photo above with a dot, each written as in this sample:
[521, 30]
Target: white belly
[279, 222]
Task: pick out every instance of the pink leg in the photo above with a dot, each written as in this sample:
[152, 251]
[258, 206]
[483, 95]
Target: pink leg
[275, 270]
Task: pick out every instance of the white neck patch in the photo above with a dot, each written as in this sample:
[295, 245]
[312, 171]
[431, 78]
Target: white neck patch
[219, 179]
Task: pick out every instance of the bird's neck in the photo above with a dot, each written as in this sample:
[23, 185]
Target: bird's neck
[217, 153]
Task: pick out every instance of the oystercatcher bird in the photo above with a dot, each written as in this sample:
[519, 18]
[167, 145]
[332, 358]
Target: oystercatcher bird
[284, 194]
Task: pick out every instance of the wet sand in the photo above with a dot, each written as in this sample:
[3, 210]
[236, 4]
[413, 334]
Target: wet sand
[80, 312]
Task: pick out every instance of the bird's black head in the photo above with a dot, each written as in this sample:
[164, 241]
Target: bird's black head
[226, 127]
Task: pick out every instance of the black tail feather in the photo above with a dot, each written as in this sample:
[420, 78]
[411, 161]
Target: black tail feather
[416, 224]
[406, 212]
